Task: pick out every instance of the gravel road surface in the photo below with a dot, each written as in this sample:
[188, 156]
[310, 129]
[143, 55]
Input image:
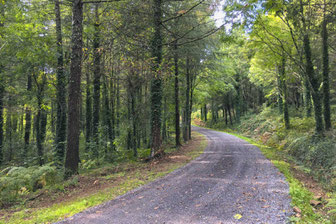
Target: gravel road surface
[232, 182]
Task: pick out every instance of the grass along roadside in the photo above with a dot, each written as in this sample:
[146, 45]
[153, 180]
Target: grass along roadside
[300, 195]
[107, 186]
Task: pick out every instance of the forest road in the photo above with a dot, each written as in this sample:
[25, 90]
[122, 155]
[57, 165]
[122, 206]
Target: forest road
[231, 182]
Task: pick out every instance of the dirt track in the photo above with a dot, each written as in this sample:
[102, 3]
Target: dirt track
[232, 182]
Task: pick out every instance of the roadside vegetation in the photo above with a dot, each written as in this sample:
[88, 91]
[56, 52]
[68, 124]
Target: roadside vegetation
[94, 185]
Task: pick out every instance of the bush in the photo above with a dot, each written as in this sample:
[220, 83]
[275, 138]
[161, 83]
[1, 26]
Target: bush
[17, 182]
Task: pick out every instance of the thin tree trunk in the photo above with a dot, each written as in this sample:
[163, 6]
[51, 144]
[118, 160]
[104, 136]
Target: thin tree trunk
[313, 79]
[118, 108]
[177, 100]
[282, 71]
[164, 120]
[39, 138]
[205, 113]
[61, 91]
[9, 132]
[238, 99]
[187, 103]
[326, 86]
[27, 118]
[307, 94]
[72, 153]
[108, 115]
[280, 101]
[191, 103]
[96, 83]
[134, 126]
[88, 113]
[112, 99]
[2, 92]
[229, 110]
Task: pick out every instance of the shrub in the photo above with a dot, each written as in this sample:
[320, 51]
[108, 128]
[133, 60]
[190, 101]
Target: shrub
[16, 182]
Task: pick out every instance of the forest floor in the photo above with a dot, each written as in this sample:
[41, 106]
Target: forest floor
[231, 182]
[99, 185]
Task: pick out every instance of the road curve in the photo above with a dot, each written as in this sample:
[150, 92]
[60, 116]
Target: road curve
[232, 182]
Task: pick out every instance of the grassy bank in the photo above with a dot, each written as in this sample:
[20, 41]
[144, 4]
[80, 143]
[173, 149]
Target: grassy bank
[99, 185]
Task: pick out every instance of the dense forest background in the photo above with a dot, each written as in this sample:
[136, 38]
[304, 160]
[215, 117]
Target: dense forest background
[85, 83]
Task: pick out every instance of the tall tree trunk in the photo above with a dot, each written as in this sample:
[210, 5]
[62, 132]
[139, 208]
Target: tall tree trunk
[313, 79]
[187, 103]
[192, 80]
[326, 86]
[112, 99]
[177, 99]
[134, 118]
[156, 84]
[282, 71]
[88, 114]
[9, 132]
[164, 120]
[238, 99]
[205, 113]
[96, 83]
[307, 98]
[107, 113]
[27, 118]
[72, 153]
[118, 108]
[2, 91]
[280, 101]
[229, 110]
[61, 91]
[40, 123]
[39, 138]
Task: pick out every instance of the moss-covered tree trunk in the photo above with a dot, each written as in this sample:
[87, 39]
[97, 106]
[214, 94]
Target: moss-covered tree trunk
[156, 83]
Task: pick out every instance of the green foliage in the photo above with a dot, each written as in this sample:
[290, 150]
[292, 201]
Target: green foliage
[332, 206]
[17, 182]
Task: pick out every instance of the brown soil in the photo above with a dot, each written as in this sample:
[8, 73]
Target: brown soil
[94, 181]
[320, 194]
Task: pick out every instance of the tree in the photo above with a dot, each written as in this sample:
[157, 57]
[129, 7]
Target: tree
[72, 153]
[61, 90]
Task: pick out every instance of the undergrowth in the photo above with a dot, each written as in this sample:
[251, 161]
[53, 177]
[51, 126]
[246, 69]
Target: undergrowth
[130, 179]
